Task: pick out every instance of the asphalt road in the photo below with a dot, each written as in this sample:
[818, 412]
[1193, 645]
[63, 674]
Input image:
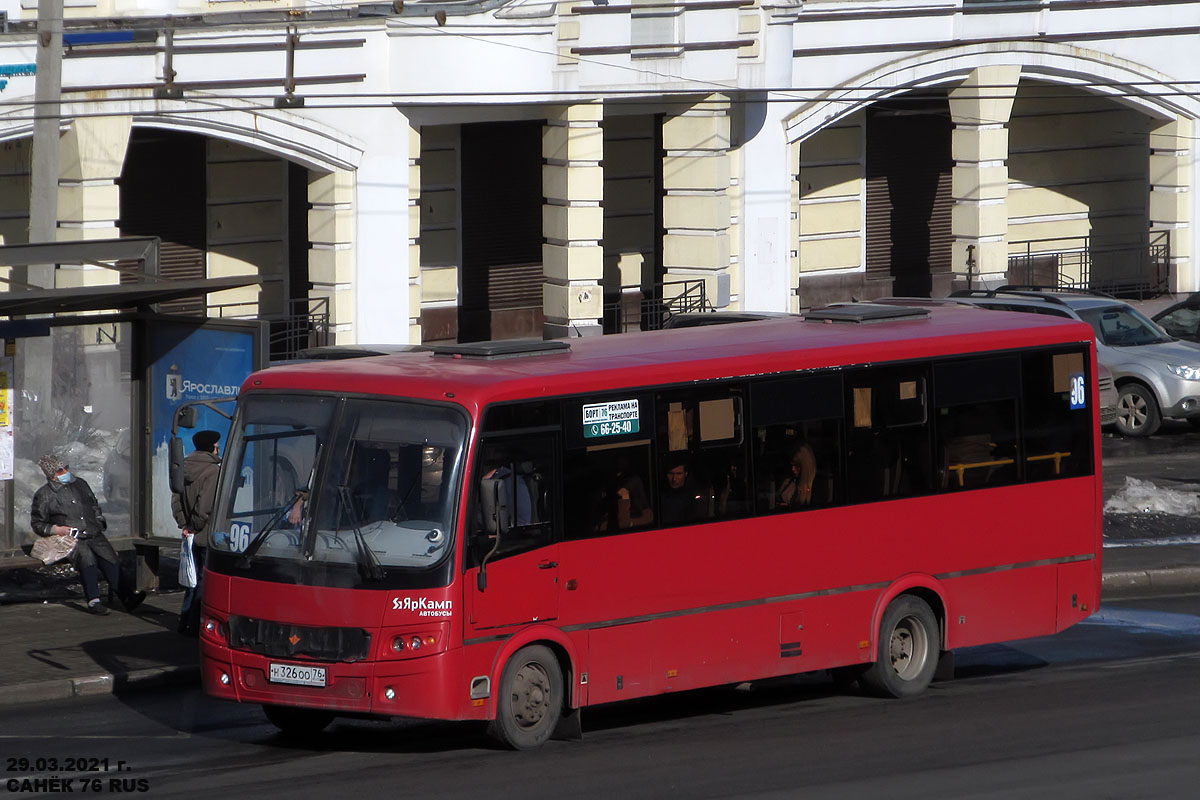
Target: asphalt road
[1170, 459]
[1109, 708]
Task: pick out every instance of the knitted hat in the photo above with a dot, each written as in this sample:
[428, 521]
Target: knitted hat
[51, 464]
[204, 440]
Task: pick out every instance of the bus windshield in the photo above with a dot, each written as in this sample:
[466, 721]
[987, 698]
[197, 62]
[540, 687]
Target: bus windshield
[361, 483]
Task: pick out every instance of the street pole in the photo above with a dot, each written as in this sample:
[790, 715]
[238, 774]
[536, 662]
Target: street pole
[35, 356]
[47, 92]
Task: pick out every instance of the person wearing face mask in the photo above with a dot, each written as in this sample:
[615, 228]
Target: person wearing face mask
[66, 506]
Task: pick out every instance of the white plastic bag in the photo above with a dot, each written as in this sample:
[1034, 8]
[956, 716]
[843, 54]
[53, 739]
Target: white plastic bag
[187, 562]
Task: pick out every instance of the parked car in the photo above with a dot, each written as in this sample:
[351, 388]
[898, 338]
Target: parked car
[1157, 376]
[1109, 396]
[1181, 320]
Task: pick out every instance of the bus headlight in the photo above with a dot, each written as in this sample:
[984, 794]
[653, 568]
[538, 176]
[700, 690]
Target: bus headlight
[411, 643]
[214, 628]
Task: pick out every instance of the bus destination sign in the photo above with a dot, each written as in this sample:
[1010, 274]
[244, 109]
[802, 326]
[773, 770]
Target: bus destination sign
[610, 419]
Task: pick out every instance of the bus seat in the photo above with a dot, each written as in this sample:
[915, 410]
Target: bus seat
[527, 473]
[369, 488]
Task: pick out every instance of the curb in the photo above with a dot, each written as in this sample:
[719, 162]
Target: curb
[1141, 582]
[100, 684]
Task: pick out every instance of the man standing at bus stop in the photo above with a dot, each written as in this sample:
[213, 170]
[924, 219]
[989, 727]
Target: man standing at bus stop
[192, 511]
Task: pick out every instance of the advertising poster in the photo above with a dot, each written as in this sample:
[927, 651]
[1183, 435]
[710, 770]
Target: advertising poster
[6, 418]
[189, 363]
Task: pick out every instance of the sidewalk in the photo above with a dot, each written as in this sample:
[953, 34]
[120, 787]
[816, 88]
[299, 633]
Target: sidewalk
[53, 650]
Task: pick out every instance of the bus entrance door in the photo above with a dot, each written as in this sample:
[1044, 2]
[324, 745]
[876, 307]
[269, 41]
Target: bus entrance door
[519, 588]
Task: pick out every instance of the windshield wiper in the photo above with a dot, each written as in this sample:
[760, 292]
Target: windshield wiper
[266, 529]
[301, 496]
[366, 556]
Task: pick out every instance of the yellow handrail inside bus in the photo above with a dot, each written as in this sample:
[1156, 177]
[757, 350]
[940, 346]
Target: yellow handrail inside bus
[961, 469]
[1058, 457]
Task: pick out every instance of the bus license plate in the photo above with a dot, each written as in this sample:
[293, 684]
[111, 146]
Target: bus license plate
[301, 676]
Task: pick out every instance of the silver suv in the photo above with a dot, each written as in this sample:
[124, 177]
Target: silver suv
[1157, 376]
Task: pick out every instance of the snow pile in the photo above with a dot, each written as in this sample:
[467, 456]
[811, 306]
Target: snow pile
[1143, 497]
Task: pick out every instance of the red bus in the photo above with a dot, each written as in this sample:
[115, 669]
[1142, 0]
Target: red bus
[511, 531]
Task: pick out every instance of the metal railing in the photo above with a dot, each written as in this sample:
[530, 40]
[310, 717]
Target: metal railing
[647, 308]
[304, 324]
[1140, 269]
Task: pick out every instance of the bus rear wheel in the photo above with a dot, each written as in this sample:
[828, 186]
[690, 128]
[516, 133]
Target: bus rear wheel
[530, 701]
[298, 721]
[909, 644]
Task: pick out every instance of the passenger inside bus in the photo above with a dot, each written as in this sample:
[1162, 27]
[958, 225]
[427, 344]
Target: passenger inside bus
[731, 495]
[623, 501]
[682, 499]
[796, 490]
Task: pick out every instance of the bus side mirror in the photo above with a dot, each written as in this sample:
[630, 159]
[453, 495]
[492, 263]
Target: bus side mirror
[494, 504]
[186, 417]
[497, 520]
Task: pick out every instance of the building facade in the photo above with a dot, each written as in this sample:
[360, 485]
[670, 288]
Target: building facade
[424, 171]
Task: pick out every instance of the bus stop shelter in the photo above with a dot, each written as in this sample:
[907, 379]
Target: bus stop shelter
[93, 373]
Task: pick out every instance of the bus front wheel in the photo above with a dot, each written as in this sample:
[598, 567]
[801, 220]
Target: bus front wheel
[908, 650]
[298, 721]
[530, 701]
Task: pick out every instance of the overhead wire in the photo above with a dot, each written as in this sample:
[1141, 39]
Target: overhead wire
[839, 94]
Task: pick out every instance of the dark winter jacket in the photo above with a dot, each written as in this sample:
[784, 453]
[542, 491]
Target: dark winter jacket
[74, 505]
[200, 470]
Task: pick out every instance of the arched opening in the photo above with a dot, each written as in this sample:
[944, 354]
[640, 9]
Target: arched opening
[223, 208]
[908, 189]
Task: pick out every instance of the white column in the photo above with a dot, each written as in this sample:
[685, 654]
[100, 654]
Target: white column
[331, 255]
[767, 241]
[91, 155]
[573, 221]
[696, 207]
[1172, 149]
[381, 307]
[980, 107]
[414, 234]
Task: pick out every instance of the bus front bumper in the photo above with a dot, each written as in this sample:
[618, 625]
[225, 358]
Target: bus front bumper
[420, 687]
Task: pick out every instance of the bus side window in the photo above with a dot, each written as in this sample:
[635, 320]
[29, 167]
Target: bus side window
[888, 436]
[1057, 435]
[607, 490]
[701, 444]
[976, 421]
[796, 445]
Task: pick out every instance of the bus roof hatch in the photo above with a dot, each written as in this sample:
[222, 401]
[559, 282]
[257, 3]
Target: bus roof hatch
[505, 348]
[864, 312]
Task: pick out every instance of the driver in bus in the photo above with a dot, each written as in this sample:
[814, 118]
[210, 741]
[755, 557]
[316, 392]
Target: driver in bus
[514, 486]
